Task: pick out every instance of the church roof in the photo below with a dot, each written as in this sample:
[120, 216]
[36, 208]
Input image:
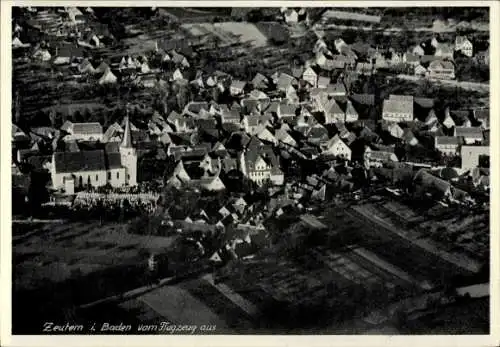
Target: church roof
[127, 136]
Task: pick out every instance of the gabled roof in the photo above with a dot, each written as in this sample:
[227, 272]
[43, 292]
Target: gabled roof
[469, 132]
[460, 40]
[337, 88]
[265, 153]
[331, 107]
[448, 140]
[482, 114]
[197, 106]
[67, 162]
[238, 84]
[334, 140]
[287, 110]
[318, 131]
[424, 102]
[350, 109]
[260, 80]
[364, 99]
[285, 80]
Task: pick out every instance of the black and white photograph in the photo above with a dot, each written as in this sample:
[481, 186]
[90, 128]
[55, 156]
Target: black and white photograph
[250, 170]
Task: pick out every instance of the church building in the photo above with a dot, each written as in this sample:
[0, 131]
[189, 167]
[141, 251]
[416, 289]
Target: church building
[96, 168]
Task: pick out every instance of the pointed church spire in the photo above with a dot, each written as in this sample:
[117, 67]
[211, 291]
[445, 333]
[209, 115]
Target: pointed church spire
[127, 136]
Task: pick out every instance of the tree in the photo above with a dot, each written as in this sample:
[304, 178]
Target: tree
[37, 190]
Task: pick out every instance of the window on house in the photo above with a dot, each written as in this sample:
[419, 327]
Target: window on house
[109, 175]
[96, 178]
[117, 175]
[128, 176]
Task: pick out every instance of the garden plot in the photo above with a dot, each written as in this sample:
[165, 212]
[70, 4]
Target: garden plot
[229, 32]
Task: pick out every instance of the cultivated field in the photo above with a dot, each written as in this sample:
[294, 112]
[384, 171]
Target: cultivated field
[59, 265]
[230, 32]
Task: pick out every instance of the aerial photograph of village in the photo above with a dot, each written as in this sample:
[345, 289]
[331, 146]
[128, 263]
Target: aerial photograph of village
[237, 170]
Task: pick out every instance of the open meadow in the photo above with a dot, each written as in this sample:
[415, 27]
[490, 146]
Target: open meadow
[58, 266]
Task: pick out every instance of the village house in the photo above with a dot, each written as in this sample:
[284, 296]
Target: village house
[237, 87]
[365, 68]
[286, 112]
[447, 145]
[339, 44]
[42, 54]
[398, 108]
[482, 115]
[336, 147]
[113, 133]
[377, 158]
[310, 75]
[350, 112]
[323, 82]
[395, 130]
[283, 136]
[337, 89]
[461, 117]
[264, 134]
[332, 111]
[409, 137]
[463, 45]
[82, 131]
[448, 121]
[418, 50]
[441, 69]
[320, 46]
[471, 135]
[260, 81]
[108, 77]
[291, 16]
[259, 163]
[230, 116]
[17, 43]
[444, 51]
[283, 81]
[471, 156]
[420, 71]
[483, 57]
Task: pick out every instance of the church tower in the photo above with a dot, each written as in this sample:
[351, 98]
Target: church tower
[128, 155]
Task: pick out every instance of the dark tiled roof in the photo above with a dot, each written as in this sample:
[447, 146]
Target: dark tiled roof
[80, 161]
[113, 160]
[364, 99]
[229, 164]
[424, 102]
[447, 140]
[482, 114]
[196, 107]
[112, 147]
[264, 152]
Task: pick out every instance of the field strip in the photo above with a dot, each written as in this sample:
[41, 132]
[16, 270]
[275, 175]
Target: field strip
[173, 301]
[463, 262]
[237, 299]
[393, 270]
